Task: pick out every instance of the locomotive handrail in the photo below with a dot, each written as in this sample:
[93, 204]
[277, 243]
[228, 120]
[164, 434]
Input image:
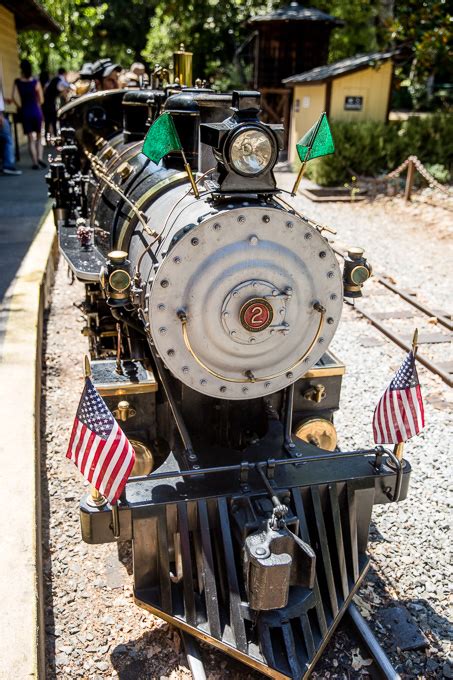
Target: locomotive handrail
[237, 468]
[100, 169]
[250, 378]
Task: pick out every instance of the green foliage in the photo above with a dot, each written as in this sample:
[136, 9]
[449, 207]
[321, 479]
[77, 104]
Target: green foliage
[358, 35]
[212, 30]
[128, 30]
[371, 149]
[78, 20]
[124, 29]
[439, 172]
[427, 28]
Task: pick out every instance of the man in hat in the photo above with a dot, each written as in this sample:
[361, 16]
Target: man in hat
[105, 74]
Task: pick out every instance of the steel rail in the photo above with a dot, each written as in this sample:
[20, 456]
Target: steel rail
[193, 654]
[430, 365]
[443, 320]
[369, 640]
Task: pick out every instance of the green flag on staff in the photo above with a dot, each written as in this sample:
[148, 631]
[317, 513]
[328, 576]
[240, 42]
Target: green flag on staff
[161, 138]
[318, 141]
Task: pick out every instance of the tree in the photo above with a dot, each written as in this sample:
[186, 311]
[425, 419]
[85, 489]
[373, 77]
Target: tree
[212, 30]
[78, 20]
[426, 27]
[123, 30]
[359, 34]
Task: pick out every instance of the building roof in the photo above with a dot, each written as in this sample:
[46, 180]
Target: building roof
[296, 12]
[339, 68]
[30, 16]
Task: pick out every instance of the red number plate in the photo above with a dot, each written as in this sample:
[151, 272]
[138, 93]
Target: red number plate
[256, 314]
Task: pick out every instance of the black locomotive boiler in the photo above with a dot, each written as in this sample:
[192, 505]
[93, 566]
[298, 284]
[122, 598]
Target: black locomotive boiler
[209, 321]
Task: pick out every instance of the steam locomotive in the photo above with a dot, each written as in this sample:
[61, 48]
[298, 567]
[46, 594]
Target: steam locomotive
[209, 320]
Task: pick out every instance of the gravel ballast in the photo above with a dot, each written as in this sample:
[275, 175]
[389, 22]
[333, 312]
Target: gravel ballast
[93, 628]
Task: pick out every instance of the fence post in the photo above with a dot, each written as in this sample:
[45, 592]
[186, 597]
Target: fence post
[409, 179]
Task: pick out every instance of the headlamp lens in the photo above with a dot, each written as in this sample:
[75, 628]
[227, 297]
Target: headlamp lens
[251, 152]
[119, 280]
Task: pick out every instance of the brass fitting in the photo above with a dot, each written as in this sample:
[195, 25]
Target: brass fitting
[108, 153]
[355, 272]
[315, 393]
[317, 431]
[124, 411]
[125, 170]
[144, 459]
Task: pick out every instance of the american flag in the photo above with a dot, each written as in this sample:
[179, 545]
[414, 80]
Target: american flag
[399, 414]
[98, 446]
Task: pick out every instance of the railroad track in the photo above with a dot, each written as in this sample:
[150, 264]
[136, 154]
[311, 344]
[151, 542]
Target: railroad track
[360, 630]
[417, 313]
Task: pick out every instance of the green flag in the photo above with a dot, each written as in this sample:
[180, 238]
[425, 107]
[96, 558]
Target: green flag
[161, 138]
[317, 141]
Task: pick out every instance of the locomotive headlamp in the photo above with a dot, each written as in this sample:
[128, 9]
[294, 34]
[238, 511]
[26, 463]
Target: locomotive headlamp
[244, 147]
[116, 279]
[119, 280]
[356, 271]
[251, 151]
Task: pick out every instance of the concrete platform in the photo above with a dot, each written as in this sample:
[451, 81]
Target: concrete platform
[26, 229]
[23, 203]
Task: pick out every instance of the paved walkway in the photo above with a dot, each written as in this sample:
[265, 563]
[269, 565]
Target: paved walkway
[23, 201]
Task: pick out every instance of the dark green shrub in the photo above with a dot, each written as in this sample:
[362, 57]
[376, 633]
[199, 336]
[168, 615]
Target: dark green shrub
[372, 149]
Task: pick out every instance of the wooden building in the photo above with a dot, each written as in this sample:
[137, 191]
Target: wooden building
[16, 16]
[289, 40]
[357, 88]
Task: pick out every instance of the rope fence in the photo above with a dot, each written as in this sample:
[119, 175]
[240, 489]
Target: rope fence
[413, 163]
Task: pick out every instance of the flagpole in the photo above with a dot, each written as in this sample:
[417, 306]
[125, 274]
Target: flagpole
[115, 520]
[97, 499]
[301, 173]
[188, 169]
[415, 343]
[307, 157]
[398, 450]
[86, 366]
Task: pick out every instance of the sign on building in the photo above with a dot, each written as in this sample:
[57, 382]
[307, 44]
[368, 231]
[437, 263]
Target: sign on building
[353, 103]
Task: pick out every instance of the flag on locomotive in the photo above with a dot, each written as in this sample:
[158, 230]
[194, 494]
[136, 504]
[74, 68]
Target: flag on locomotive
[161, 139]
[98, 446]
[399, 414]
[316, 142]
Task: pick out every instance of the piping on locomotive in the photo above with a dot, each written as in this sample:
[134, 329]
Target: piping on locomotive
[208, 322]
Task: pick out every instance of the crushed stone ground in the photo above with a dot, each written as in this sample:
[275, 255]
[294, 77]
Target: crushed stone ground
[93, 629]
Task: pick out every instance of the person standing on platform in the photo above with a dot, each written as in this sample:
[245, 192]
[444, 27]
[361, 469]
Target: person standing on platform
[6, 141]
[28, 96]
[55, 88]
